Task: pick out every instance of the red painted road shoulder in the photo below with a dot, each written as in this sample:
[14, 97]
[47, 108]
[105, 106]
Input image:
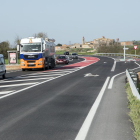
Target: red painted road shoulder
[88, 61]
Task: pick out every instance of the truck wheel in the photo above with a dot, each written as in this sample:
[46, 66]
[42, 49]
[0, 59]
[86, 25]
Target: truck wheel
[23, 69]
[3, 76]
[44, 68]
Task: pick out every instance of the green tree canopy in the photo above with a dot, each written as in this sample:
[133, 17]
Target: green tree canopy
[4, 47]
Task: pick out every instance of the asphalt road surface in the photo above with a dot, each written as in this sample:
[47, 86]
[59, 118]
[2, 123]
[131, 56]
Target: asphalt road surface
[53, 104]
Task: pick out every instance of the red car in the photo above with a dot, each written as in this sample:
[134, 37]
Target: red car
[62, 59]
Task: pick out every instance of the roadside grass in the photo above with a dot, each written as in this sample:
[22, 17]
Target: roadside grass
[134, 106]
[6, 61]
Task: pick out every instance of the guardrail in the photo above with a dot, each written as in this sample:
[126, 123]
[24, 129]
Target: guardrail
[132, 78]
[117, 54]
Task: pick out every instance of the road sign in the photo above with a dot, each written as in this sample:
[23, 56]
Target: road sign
[125, 48]
[135, 47]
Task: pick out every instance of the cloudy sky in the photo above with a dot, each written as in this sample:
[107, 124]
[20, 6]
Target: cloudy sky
[67, 21]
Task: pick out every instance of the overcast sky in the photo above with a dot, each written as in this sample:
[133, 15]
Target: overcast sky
[67, 21]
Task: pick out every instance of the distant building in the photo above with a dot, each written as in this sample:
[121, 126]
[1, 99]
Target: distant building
[103, 41]
[87, 44]
[126, 43]
[63, 47]
[76, 45]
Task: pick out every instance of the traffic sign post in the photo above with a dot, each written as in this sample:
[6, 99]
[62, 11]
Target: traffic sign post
[135, 47]
[124, 50]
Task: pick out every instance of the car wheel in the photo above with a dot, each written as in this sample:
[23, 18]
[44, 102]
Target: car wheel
[3, 76]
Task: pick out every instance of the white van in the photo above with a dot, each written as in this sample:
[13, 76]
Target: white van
[2, 67]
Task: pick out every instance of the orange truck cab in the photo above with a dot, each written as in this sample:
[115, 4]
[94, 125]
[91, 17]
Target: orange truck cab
[36, 53]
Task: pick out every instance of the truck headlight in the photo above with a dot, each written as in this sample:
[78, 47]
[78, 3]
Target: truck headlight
[22, 62]
[40, 61]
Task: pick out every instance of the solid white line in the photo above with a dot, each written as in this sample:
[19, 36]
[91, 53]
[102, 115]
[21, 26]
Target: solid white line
[25, 80]
[86, 125]
[37, 76]
[113, 68]
[19, 85]
[59, 72]
[112, 80]
[6, 92]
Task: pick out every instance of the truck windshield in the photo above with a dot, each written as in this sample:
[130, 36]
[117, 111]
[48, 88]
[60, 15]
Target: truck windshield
[33, 47]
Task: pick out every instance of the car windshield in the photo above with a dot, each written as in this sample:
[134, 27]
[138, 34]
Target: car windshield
[61, 57]
[74, 53]
[33, 47]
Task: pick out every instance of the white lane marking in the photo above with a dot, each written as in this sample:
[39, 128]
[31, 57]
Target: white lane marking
[18, 85]
[6, 92]
[26, 80]
[112, 80]
[42, 82]
[89, 74]
[37, 76]
[86, 125]
[114, 65]
[48, 73]
[137, 64]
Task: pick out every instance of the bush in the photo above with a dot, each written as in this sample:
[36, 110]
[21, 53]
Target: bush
[134, 106]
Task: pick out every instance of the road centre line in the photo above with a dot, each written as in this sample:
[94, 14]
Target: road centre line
[86, 125]
[25, 80]
[18, 85]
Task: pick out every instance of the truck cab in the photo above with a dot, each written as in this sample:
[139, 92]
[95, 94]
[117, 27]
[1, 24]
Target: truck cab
[36, 53]
[2, 67]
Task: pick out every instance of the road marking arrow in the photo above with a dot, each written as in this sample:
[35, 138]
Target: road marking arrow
[89, 74]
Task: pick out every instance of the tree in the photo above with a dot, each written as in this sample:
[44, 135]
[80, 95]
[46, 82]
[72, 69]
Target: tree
[41, 35]
[4, 47]
[59, 44]
[17, 40]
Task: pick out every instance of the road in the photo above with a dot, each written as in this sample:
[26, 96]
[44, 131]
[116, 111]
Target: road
[52, 104]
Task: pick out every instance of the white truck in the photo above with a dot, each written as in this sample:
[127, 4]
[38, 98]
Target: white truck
[2, 67]
[36, 53]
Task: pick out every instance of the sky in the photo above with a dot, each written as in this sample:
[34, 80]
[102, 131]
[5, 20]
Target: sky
[67, 21]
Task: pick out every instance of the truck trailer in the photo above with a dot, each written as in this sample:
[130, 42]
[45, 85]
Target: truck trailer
[36, 53]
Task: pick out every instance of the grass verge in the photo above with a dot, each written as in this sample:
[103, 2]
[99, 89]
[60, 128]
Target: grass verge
[134, 106]
[6, 61]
